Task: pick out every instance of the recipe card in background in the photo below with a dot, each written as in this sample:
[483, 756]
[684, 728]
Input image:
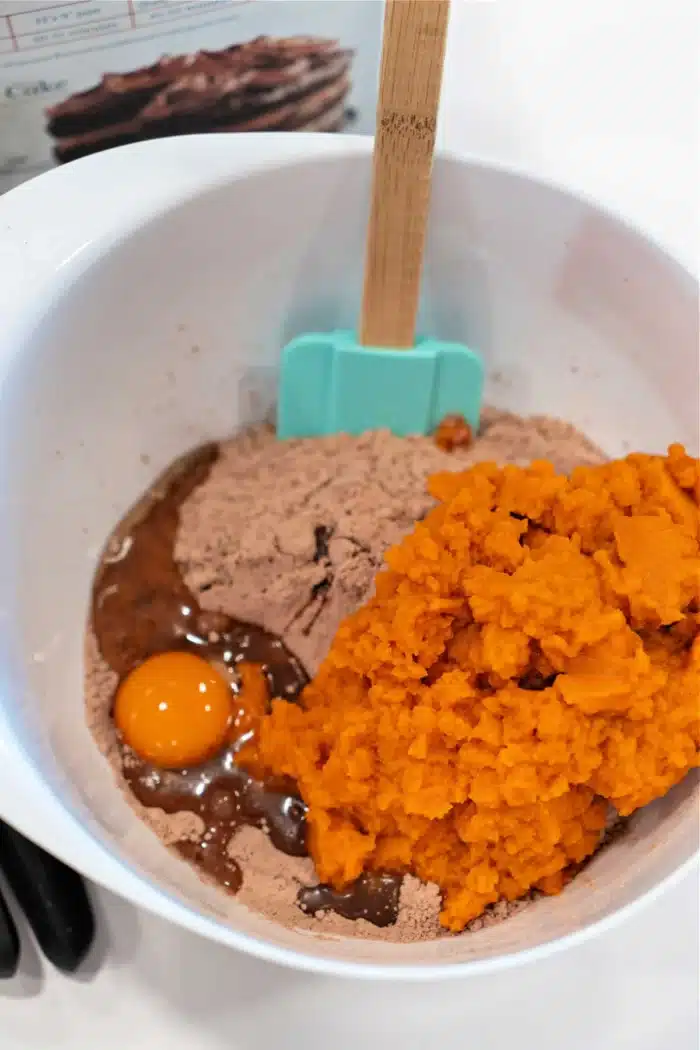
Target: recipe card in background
[82, 76]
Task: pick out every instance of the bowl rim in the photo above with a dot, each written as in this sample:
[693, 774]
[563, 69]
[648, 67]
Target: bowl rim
[39, 260]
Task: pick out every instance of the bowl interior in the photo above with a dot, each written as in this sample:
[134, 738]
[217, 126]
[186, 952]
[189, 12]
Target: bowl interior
[172, 338]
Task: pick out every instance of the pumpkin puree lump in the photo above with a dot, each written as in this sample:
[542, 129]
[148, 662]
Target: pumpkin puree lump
[530, 656]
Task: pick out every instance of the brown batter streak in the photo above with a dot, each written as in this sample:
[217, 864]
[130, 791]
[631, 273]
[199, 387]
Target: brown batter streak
[374, 898]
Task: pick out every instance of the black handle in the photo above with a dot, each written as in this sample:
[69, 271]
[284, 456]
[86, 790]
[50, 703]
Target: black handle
[52, 896]
[9, 942]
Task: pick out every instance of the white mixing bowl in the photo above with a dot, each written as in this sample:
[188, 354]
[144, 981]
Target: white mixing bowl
[112, 271]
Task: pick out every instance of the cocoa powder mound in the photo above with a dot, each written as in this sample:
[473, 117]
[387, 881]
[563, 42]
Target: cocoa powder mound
[289, 536]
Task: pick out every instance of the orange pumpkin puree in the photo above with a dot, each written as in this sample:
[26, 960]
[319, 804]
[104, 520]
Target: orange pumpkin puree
[531, 654]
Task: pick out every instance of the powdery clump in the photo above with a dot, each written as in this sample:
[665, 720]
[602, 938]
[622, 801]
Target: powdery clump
[531, 651]
[290, 535]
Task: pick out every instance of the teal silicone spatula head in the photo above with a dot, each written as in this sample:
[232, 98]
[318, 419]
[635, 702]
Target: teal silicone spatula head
[340, 382]
[329, 384]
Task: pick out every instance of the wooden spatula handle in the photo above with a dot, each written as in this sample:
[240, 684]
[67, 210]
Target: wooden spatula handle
[413, 53]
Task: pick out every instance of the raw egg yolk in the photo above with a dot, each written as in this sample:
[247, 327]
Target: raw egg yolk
[174, 710]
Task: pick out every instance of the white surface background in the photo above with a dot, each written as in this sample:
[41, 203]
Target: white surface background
[603, 96]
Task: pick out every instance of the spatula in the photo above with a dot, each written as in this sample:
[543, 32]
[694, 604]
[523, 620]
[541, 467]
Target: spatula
[382, 377]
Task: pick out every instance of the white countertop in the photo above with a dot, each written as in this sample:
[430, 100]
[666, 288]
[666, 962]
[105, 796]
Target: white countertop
[601, 96]
[152, 986]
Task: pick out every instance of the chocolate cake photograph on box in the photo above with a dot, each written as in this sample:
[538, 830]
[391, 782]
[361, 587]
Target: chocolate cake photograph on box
[267, 84]
[84, 77]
